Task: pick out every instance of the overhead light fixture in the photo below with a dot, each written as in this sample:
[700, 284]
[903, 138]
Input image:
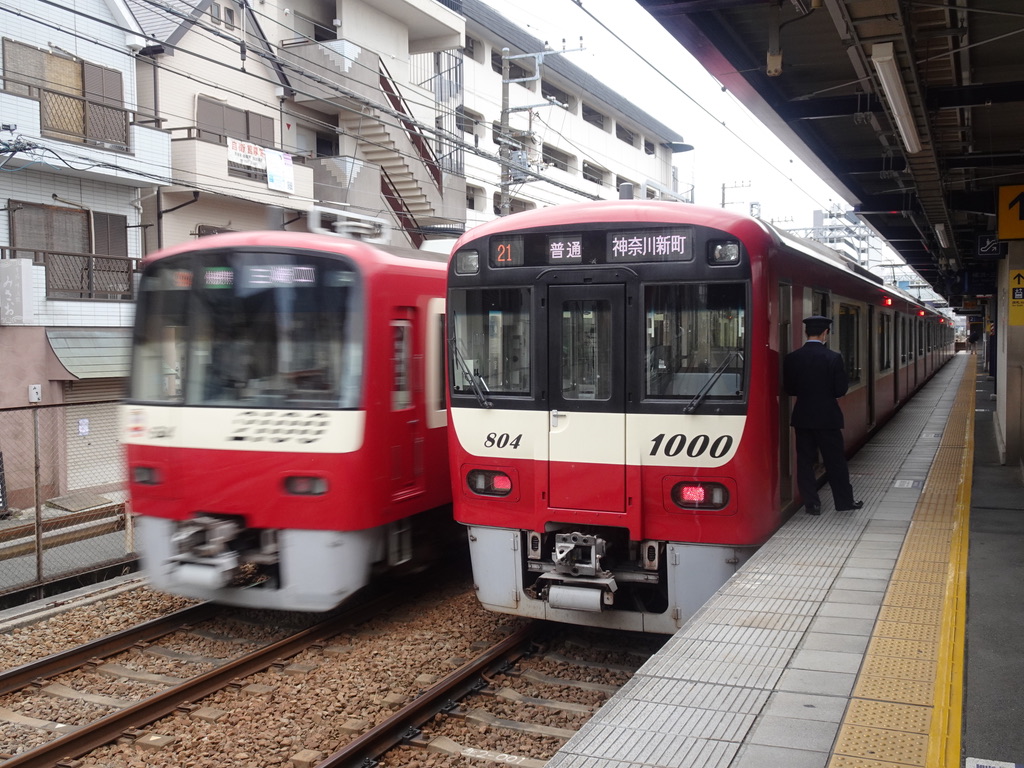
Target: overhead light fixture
[884, 58]
[940, 232]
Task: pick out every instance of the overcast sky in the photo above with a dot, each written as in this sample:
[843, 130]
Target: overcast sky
[658, 75]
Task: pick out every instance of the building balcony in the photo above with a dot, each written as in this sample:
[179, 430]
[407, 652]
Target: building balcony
[241, 169]
[84, 138]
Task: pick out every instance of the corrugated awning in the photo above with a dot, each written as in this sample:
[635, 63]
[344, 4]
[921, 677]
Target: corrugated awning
[92, 353]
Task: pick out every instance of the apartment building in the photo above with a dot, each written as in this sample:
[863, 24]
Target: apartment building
[568, 137]
[300, 115]
[78, 158]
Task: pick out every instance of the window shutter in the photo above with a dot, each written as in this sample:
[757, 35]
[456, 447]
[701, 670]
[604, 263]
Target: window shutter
[102, 85]
[49, 228]
[235, 125]
[111, 233]
[210, 120]
[261, 129]
[25, 66]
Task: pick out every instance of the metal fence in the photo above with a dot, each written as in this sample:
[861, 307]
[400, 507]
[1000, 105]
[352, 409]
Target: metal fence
[63, 493]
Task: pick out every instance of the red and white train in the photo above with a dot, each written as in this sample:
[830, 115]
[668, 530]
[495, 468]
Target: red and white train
[286, 424]
[619, 445]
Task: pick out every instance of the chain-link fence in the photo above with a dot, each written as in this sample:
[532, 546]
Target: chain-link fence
[63, 493]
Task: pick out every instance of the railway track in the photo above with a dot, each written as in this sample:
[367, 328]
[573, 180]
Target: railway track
[515, 704]
[428, 674]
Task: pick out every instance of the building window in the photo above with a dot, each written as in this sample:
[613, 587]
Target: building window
[215, 13]
[468, 121]
[474, 198]
[229, 17]
[554, 93]
[85, 252]
[624, 134]
[557, 159]
[648, 147]
[594, 173]
[474, 49]
[515, 72]
[593, 117]
[217, 122]
[79, 101]
[516, 204]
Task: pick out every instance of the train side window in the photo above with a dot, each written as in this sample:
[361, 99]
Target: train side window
[849, 340]
[401, 364]
[884, 342]
[820, 304]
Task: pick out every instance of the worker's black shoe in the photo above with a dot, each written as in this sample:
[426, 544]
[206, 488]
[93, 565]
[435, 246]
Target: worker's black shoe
[856, 505]
[813, 509]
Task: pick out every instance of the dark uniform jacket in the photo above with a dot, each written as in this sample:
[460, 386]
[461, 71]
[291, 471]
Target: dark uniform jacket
[816, 376]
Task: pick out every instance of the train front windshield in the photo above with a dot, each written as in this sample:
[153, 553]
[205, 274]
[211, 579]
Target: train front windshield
[249, 328]
[694, 342]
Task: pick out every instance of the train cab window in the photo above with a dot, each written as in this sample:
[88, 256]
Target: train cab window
[161, 334]
[849, 340]
[696, 337]
[489, 342]
[259, 330]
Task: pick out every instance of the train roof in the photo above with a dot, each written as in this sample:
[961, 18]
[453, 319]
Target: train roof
[309, 241]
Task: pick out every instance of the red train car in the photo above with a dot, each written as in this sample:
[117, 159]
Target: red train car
[618, 441]
[286, 426]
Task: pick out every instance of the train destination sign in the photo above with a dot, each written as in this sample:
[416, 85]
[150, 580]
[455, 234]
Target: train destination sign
[593, 247]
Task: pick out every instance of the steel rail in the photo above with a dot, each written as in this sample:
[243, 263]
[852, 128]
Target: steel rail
[18, 677]
[107, 729]
[393, 730]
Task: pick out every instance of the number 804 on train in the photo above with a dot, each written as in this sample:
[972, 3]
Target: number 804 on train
[619, 441]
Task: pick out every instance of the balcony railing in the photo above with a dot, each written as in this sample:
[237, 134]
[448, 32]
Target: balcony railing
[68, 117]
[81, 275]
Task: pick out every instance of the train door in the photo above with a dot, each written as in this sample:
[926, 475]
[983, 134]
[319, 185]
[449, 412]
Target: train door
[406, 428]
[897, 356]
[586, 386]
[872, 357]
[785, 347]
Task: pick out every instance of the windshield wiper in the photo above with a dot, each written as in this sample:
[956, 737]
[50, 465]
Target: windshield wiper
[691, 406]
[476, 382]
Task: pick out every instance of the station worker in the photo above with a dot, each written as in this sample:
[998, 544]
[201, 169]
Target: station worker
[816, 376]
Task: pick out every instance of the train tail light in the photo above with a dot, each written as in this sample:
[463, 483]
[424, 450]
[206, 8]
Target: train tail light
[489, 482]
[302, 485]
[692, 495]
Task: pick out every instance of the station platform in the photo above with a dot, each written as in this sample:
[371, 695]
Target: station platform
[841, 643]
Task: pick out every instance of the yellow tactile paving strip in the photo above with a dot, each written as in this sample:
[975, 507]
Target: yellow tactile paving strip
[907, 701]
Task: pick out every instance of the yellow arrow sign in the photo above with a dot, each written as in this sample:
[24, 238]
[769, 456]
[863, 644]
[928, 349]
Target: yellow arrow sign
[1010, 216]
[1016, 297]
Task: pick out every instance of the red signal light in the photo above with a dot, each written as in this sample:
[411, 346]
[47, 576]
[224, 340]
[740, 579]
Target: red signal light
[920, 313]
[887, 301]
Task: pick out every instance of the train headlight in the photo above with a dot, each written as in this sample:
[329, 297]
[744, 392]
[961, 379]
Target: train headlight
[303, 485]
[489, 482]
[691, 495]
[467, 262]
[146, 476]
[727, 252]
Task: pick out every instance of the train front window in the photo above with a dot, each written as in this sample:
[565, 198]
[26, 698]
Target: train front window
[260, 329]
[586, 350]
[489, 341]
[695, 340]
